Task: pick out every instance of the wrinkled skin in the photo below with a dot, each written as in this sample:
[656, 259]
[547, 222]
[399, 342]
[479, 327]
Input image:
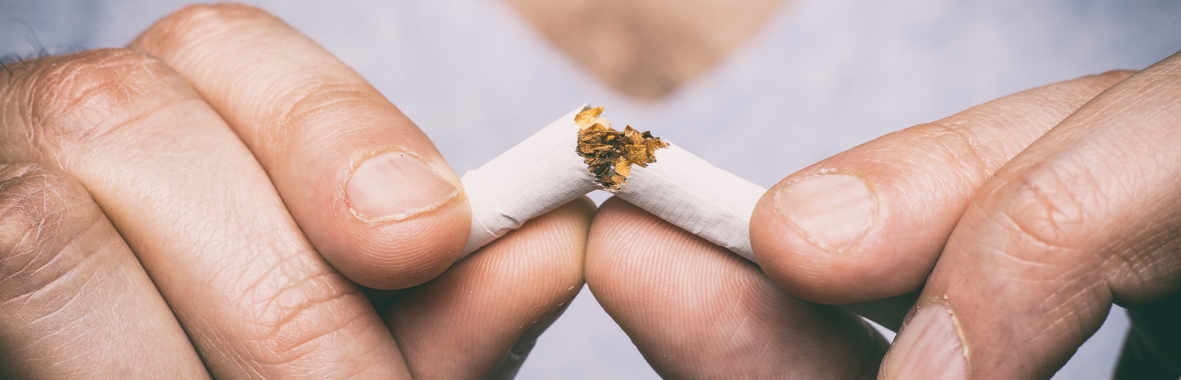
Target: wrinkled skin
[997, 239]
[197, 205]
[193, 206]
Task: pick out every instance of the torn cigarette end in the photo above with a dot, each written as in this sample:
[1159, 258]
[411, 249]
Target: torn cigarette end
[609, 153]
[544, 172]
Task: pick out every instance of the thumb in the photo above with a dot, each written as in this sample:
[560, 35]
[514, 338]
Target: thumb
[1086, 216]
[869, 223]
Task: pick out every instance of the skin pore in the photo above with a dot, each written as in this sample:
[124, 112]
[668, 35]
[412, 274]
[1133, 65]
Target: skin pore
[647, 49]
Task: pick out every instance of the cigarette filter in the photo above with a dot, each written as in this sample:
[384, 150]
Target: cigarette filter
[580, 153]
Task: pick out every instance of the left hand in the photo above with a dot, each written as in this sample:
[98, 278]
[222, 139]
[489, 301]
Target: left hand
[1016, 224]
[261, 183]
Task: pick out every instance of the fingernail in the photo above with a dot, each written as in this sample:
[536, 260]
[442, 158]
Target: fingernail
[395, 186]
[929, 347]
[833, 210]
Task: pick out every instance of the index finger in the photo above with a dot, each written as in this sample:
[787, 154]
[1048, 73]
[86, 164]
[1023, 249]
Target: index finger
[870, 222]
[367, 187]
[1082, 218]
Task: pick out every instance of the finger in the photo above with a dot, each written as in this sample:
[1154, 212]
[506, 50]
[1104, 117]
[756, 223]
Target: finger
[200, 214]
[481, 317]
[1082, 218]
[366, 185]
[870, 222]
[696, 310]
[74, 301]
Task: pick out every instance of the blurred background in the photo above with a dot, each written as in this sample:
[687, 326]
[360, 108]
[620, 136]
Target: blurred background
[761, 88]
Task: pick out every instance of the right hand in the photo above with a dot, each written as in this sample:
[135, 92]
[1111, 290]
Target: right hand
[815, 246]
[261, 184]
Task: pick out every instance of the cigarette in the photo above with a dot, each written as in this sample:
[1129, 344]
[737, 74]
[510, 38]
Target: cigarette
[581, 152]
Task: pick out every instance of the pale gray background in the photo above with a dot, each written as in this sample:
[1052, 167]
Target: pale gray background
[823, 76]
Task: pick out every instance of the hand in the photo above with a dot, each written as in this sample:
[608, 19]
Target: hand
[258, 181]
[1020, 221]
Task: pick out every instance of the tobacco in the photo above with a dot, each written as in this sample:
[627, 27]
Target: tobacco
[609, 153]
[579, 153]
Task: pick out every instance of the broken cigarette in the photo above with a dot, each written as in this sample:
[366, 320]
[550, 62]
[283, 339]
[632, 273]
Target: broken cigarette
[580, 153]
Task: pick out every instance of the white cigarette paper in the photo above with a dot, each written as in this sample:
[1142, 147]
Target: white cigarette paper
[700, 198]
[545, 171]
[534, 177]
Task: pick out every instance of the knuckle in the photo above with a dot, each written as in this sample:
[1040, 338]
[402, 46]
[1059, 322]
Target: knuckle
[313, 105]
[32, 196]
[295, 315]
[83, 97]
[1047, 209]
[959, 147]
[43, 213]
[195, 23]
